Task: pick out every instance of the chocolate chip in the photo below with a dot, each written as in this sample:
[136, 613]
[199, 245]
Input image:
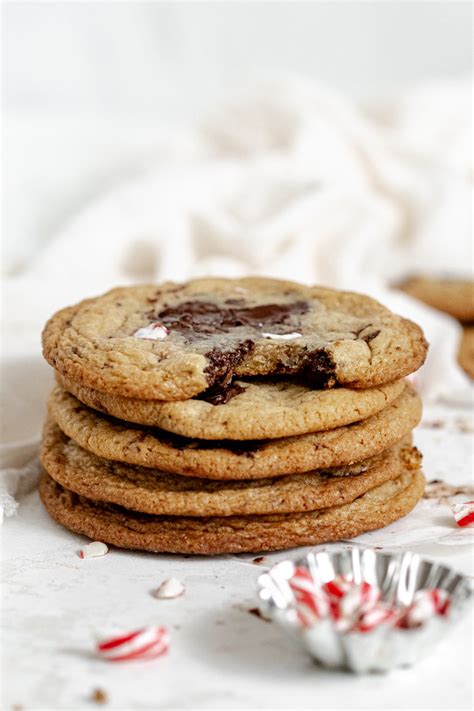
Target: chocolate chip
[255, 611]
[316, 368]
[138, 438]
[235, 302]
[370, 336]
[319, 369]
[242, 449]
[223, 363]
[220, 396]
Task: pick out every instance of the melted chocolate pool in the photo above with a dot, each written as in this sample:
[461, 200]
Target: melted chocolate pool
[205, 317]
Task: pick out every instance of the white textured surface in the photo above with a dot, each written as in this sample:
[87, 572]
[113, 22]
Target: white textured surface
[72, 132]
[55, 605]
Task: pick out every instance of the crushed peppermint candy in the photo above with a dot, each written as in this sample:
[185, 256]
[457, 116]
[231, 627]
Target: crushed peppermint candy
[282, 336]
[425, 604]
[169, 589]
[358, 607]
[93, 550]
[464, 513]
[153, 332]
[311, 602]
[359, 598]
[378, 615]
[143, 644]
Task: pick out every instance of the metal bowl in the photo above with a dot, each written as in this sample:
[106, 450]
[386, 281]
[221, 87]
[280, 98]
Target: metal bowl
[398, 577]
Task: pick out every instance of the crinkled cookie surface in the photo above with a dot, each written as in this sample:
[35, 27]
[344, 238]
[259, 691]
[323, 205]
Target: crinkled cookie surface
[175, 341]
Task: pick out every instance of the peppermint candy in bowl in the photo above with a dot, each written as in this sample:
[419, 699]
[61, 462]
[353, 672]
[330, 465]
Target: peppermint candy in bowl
[363, 610]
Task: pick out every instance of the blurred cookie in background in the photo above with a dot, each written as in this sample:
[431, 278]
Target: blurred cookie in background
[466, 351]
[453, 296]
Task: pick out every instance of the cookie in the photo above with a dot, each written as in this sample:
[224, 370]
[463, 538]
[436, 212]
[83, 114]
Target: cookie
[453, 296]
[111, 439]
[232, 534]
[175, 341]
[156, 492]
[466, 351]
[259, 409]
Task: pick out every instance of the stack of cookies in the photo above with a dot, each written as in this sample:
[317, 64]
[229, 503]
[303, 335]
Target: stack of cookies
[225, 415]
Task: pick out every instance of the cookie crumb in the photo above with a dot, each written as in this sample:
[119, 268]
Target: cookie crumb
[411, 458]
[433, 424]
[99, 696]
[258, 560]
[464, 426]
[436, 489]
[256, 612]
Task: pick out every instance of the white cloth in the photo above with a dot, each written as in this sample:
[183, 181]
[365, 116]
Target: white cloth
[292, 181]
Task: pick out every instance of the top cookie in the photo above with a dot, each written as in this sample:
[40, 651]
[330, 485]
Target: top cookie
[174, 341]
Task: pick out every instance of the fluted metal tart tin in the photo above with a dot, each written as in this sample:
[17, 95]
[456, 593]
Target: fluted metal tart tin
[398, 577]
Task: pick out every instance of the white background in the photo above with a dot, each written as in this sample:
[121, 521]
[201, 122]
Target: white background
[89, 87]
[176, 59]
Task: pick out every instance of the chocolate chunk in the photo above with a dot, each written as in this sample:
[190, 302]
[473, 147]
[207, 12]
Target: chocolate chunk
[222, 395]
[206, 318]
[319, 369]
[370, 336]
[235, 302]
[222, 363]
[316, 369]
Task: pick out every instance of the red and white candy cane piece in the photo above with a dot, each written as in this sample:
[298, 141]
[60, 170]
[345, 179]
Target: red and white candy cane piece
[310, 599]
[95, 549]
[442, 601]
[371, 619]
[358, 599]
[464, 513]
[146, 643]
[338, 586]
[336, 589]
[426, 604]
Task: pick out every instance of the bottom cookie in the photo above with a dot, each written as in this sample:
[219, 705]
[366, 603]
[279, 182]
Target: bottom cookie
[231, 534]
